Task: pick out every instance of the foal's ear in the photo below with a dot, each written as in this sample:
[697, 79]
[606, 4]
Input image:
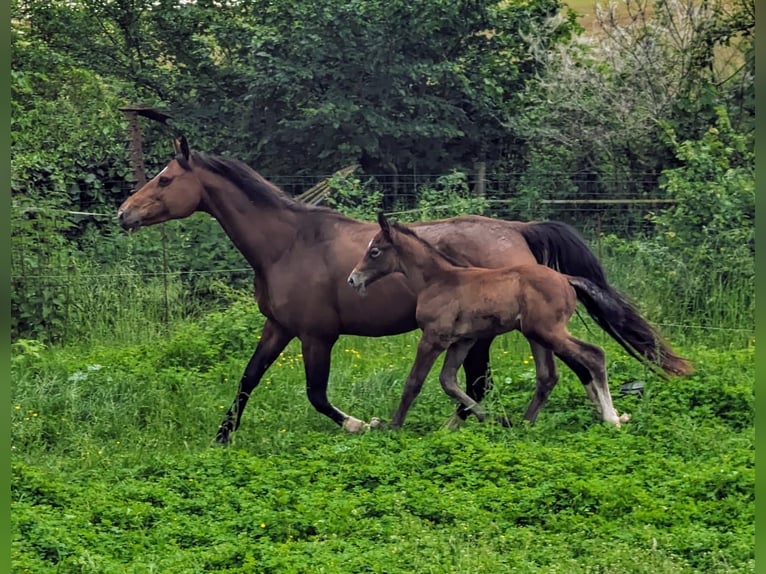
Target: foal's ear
[182, 147]
[384, 226]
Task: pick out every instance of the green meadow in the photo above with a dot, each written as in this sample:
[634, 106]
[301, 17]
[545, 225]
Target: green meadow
[115, 469]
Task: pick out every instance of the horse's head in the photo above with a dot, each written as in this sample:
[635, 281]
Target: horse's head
[380, 258]
[174, 193]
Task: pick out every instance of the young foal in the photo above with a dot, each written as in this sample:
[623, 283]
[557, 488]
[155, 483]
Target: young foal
[456, 305]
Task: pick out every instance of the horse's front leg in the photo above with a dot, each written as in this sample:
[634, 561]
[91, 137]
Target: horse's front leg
[316, 362]
[274, 339]
[427, 353]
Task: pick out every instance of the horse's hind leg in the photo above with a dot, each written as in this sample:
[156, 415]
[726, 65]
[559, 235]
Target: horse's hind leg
[448, 377]
[273, 340]
[547, 377]
[478, 376]
[589, 363]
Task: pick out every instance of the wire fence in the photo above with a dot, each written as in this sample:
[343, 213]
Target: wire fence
[106, 281]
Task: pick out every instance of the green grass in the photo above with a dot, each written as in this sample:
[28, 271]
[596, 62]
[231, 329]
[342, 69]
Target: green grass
[114, 468]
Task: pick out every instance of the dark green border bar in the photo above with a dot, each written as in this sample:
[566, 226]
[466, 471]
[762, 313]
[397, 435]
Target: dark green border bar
[5, 314]
[760, 281]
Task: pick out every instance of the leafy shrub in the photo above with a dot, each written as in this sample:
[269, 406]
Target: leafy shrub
[352, 197]
[713, 220]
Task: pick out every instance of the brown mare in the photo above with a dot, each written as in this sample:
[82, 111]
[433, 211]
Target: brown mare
[282, 238]
[458, 304]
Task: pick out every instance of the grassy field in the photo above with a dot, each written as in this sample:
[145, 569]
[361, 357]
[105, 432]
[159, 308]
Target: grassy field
[114, 469]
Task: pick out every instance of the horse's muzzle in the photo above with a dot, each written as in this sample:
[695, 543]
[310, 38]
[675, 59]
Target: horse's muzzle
[127, 221]
[358, 283]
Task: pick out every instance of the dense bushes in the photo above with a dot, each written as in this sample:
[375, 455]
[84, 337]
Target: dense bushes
[548, 112]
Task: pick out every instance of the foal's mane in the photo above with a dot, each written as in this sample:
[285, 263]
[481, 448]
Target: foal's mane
[438, 252]
[256, 187]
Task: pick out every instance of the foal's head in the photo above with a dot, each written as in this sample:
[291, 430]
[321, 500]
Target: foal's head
[380, 259]
[174, 193]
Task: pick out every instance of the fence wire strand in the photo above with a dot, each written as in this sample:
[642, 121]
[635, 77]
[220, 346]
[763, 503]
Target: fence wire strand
[601, 215]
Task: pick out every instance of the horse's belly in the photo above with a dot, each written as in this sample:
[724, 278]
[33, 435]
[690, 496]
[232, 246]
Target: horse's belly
[485, 325]
[388, 309]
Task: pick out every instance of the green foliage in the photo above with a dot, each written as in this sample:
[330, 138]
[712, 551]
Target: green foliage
[39, 248]
[448, 196]
[357, 199]
[594, 120]
[713, 219]
[702, 258]
[112, 467]
[395, 84]
[675, 286]
[547, 177]
[67, 135]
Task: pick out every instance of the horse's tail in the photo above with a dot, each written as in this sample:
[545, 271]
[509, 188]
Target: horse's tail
[618, 317]
[558, 245]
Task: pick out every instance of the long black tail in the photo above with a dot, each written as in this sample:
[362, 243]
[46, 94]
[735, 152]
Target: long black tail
[560, 246]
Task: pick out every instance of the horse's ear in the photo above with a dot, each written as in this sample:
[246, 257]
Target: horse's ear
[384, 225]
[182, 147]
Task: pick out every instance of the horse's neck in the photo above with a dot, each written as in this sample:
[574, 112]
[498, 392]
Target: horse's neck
[423, 266]
[262, 234]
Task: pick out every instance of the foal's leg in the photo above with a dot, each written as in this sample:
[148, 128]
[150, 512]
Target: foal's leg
[456, 354]
[274, 339]
[547, 377]
[589, 363]
[427, 353]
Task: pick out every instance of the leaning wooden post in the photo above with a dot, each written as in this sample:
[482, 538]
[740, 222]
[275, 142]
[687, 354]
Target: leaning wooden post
[139, 175]
[136, 147]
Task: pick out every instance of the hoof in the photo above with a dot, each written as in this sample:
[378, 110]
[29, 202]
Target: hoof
[354, 425]
[504, 421]
[624, 417]
[376, 423]
[454, 422]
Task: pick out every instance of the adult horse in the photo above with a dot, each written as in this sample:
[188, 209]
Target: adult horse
[281, 238]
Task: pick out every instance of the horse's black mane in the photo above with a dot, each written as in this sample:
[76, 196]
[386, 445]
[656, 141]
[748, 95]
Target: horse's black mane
[257, 188]
[409, 231]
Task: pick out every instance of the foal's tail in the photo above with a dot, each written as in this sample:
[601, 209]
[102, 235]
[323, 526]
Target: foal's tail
[559, 246]
[618, 317]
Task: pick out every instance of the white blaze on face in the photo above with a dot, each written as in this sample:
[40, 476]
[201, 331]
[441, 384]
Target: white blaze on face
[163, 171]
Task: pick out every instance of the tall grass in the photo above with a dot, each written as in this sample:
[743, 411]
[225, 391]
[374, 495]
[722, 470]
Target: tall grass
[688, 300]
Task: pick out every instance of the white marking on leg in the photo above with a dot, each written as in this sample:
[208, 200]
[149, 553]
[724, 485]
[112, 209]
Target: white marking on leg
[354, 425]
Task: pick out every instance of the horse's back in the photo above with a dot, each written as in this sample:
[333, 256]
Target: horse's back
[478, 241]
[483, 302]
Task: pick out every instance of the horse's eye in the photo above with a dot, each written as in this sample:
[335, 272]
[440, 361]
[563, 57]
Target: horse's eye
[164, 181]
[374, 252]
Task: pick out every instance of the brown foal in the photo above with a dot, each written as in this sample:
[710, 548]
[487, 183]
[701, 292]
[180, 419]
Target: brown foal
[457, 305]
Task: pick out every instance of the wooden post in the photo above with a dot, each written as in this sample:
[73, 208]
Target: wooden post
[480, 187]
[139, 175]
[136, 147]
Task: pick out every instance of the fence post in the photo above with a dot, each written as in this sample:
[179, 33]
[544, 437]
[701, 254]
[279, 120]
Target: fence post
[139, 175]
